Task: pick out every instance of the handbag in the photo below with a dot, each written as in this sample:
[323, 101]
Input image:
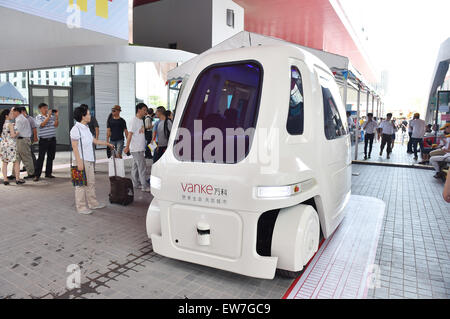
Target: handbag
[78, 176]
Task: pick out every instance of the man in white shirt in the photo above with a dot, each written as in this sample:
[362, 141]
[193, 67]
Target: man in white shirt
[418, 131]
[24, 141]
[350, 122]
[387, 129]
[136, 144]
[369, 128]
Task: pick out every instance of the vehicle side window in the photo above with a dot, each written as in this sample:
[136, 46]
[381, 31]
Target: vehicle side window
[334, 127]
[295, 119]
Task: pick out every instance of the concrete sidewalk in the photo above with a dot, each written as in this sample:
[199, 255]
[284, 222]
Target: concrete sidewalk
[41, 235]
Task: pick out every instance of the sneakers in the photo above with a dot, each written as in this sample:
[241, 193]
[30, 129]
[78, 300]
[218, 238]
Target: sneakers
[86, 212]
[99, 206]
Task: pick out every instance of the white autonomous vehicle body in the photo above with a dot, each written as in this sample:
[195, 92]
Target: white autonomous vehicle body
[257, 165]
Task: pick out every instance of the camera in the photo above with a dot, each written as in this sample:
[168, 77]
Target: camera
[54, 111]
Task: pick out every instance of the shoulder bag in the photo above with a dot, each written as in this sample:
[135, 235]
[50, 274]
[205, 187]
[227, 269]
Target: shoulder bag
[78, 176]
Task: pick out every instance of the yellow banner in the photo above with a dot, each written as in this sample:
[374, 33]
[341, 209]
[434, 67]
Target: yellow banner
[102, 8]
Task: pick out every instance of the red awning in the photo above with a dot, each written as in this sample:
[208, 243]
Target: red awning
[311, 23]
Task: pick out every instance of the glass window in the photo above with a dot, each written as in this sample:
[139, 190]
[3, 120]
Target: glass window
[334, 127]
[294, 124]
[24, 84]
[39, 73]
[224, 103]
[83, 87]
[47, 74]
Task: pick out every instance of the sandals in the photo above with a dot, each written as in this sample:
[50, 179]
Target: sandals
[20, 181]
[6, 183]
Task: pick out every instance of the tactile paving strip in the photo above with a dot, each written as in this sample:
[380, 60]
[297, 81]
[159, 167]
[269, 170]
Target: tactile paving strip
[343, 263]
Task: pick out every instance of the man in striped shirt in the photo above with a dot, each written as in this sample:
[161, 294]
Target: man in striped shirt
[47, 123]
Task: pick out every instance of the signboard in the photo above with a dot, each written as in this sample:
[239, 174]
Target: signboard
[445, 117]
[105, 16]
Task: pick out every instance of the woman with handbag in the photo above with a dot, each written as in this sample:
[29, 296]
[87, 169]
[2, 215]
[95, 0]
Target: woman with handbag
[83, 177]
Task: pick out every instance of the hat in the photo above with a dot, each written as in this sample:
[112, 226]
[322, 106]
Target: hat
[445, 126]
[117, 107]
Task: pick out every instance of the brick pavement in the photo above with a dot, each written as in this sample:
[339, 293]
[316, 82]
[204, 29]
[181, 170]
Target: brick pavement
[414, 245]
[41, 234]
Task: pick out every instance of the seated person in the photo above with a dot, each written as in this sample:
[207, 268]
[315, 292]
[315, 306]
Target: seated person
[436, 160]
[437, 149]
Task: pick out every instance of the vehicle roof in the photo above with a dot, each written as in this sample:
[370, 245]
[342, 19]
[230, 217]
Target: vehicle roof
[264, 51]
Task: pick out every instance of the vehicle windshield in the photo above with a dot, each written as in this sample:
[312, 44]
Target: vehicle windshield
[219, 119]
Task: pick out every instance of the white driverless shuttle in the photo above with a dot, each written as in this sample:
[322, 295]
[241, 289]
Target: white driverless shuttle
[257, 166]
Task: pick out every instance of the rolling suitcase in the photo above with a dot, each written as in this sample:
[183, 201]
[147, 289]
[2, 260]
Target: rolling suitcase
[122, 191]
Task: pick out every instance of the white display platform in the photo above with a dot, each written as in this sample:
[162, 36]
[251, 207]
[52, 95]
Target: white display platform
[344, 266]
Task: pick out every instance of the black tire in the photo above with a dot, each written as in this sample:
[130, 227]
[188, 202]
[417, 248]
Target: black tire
[289, 274]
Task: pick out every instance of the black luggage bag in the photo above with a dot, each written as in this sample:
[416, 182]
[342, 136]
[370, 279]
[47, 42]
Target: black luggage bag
[122, 191]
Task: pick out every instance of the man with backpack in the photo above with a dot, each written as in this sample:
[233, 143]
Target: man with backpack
[161, 132]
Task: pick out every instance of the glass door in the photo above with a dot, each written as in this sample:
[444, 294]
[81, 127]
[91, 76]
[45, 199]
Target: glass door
[61, 103]
[57, 98]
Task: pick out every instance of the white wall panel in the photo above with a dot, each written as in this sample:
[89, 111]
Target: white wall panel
[220, 30]
[127, 90]
[106, 79]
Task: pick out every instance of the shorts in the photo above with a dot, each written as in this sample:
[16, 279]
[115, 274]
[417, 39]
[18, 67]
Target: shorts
[119, 146]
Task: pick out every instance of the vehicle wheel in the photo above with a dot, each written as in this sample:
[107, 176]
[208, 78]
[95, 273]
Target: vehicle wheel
[295, 238]
[289, 274]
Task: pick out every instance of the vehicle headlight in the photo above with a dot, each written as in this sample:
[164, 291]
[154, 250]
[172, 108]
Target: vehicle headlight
[155, 182]
[278, 191]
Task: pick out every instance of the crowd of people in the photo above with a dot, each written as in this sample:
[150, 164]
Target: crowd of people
[20, 131]
[146, 127]
[432, 142]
